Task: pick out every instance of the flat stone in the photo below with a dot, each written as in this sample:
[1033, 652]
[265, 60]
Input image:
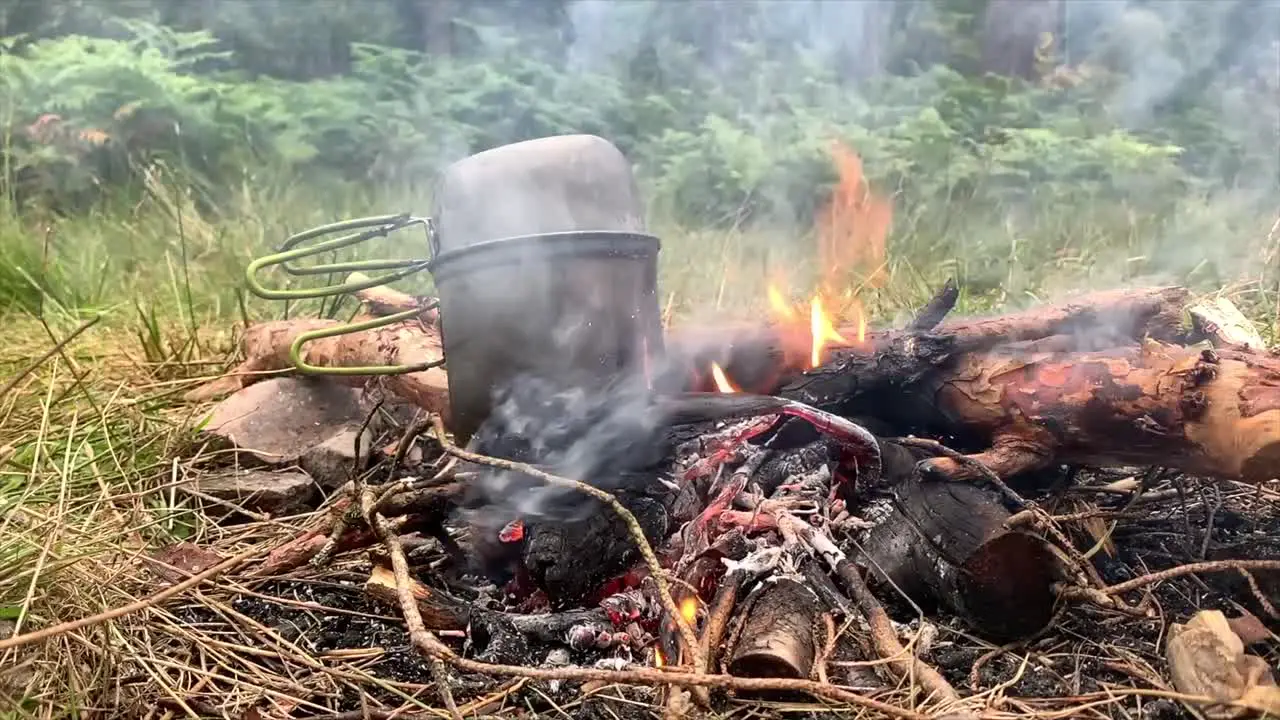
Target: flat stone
[277, 420]
[263, 491]
[330, 463]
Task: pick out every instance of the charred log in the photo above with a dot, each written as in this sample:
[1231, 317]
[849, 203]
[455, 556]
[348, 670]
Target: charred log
[945, 543]
[764, 359]
[780, 635]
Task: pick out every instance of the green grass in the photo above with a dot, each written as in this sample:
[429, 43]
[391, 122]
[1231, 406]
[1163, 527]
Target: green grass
[87, 440]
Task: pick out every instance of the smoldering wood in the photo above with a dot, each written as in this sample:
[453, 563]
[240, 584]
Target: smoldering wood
[945, 543]
[768, 359]
[1028, 390]
[780, 633]
[1204, 412]
[442, 611]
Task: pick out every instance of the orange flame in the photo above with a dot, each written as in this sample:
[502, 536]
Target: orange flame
[821, 330]
[852, 230]
[722, 380]
[779, 304]
[689, 609]
[657, 658]
[853, 227]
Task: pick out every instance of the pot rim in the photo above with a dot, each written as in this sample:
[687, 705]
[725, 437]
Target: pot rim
[575, 243]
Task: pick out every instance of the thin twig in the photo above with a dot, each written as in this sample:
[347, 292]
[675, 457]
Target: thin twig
[721, 611]
[149, 601]
[1211, 566]
[418, 632]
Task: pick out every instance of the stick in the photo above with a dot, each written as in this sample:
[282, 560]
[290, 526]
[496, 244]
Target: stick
[720, 614]
[904, 663]
[1210, 566]
[149, 601]
[409, 605]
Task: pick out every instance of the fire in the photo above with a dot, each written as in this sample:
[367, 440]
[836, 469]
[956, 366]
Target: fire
[852, 231]
[821, 330]
[689, 609]
[779, 304]
[853, 227]
[722, 380]
[657, 658]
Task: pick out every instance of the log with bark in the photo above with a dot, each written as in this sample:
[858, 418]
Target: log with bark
[1097, 381]
[946, 543]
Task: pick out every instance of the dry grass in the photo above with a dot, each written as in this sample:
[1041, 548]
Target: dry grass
[88, 443]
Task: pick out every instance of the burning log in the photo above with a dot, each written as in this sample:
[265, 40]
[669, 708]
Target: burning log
[1096, 381]
[945, 543]
[779, 358]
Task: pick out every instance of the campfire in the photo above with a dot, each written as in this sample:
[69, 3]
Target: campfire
[796, 510]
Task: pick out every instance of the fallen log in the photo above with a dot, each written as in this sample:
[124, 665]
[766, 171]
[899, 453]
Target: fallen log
[1199, 411]
[1031, 389]
[266, 350]
[766, 359]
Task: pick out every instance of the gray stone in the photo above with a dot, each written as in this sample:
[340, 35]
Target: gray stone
[277, 420]
[331, 462]
[263, 491]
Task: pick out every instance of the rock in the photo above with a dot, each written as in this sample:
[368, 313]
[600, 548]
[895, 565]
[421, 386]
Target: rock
[1206, 658]
[331, 461]
[275, 493]
[276, 420]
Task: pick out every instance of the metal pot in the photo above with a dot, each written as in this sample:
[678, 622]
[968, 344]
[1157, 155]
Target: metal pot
[542, 266]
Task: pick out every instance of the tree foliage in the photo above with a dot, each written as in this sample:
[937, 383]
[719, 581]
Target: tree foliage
[728, 110]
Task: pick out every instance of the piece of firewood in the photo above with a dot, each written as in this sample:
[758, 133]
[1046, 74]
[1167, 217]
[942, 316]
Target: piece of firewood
[1203, 412]
[764, 358]
[945, 543]
[779, 636]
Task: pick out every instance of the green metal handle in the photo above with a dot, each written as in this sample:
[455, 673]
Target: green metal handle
[295, 350]
[379, 226]
[368, 228]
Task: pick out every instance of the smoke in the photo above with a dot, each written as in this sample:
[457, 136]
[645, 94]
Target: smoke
[1165, 71]
[602, 433]
[1203, 75]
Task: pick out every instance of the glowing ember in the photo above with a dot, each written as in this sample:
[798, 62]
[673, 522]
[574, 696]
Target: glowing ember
[822, 331]
[722, 380]
[512, 532]
[689, 609]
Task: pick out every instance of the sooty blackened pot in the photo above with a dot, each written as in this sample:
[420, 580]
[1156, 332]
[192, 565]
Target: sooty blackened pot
[543, 267]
